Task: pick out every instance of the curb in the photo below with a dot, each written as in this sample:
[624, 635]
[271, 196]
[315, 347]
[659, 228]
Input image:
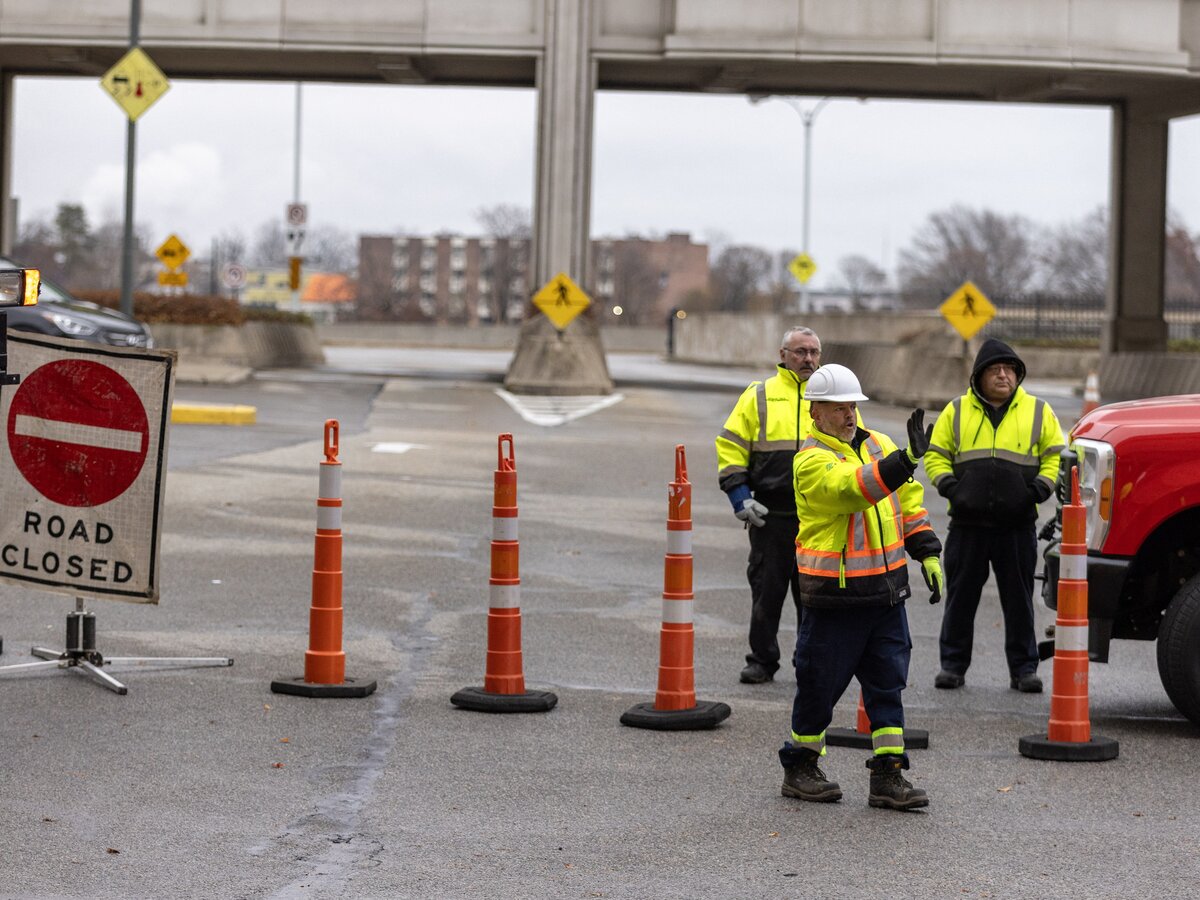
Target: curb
[197, 414]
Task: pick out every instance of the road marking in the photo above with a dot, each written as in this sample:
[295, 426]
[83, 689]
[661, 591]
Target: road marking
[396, 447]
[74, 433]
[550, 411]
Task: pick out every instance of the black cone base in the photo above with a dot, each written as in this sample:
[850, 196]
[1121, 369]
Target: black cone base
[705, 714]
[478, 699]
[300, 688]
[914, 738]
[1098, 749]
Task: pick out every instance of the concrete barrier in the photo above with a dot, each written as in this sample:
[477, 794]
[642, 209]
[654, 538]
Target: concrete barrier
[254, 345]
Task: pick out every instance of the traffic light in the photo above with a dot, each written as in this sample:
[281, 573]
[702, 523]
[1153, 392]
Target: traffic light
[294, 272]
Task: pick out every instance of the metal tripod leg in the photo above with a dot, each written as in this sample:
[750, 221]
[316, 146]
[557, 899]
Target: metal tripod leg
[55, 663]
[83, 667]
[170, 662]
[46, 653]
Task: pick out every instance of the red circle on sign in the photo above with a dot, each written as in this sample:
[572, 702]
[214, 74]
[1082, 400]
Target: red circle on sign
[77, 431]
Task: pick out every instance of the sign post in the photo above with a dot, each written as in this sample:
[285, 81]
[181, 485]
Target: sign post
[82, 482]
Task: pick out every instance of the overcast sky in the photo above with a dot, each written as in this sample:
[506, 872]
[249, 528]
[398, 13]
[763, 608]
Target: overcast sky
[218, 156]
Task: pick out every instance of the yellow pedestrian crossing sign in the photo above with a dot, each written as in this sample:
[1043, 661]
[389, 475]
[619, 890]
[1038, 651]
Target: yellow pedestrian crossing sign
[802, 267]
[173, 253]
[135, 82]
[561, 300]
[968, 310]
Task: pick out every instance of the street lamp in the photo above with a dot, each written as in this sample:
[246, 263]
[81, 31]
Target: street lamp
[808, 116]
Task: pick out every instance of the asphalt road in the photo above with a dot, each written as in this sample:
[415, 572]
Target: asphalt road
[203, 783]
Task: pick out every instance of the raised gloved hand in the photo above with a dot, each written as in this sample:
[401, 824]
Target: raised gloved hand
[931, 568]
[918, 435]
[753, 512]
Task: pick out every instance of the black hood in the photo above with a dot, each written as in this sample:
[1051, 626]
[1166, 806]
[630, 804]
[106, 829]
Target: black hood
[994, 351]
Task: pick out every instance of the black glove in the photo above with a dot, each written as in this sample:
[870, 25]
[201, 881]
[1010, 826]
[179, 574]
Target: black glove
[1040, 491]
[918, 435]
[946, 487]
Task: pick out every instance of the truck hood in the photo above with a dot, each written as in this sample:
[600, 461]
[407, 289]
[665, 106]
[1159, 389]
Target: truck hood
[1117, 420]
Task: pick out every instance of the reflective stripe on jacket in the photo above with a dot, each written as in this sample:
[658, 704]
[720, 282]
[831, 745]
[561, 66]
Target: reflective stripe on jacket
[991, 469]
[860, 512]
[760, 438]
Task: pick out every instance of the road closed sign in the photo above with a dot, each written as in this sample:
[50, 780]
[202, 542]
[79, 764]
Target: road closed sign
[83, 466]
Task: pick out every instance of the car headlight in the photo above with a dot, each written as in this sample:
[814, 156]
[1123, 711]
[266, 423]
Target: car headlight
[70, 325]
[1097, 464]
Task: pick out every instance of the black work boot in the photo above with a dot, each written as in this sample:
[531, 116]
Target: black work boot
[891, 789]
[806, 781]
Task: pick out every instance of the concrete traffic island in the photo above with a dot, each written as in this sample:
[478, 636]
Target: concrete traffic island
[567, 362]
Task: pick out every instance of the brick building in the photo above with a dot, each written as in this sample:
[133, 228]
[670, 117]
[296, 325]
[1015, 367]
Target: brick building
[452, 279]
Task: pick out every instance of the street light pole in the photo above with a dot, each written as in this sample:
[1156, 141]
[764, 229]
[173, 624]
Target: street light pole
[808, 117]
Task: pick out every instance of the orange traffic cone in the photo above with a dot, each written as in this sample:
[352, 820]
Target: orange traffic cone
[325, 662]
[860, 735]
[1069, 736]
[1091, 394]
[504, 677]
[675, 707]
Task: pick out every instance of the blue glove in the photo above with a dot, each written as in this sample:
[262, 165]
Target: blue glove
[931, 568]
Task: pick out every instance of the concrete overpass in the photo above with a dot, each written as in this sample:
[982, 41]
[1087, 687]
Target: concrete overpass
[1138, 57]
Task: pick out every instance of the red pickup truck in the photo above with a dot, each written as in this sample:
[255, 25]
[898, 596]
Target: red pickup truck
[1139, 478]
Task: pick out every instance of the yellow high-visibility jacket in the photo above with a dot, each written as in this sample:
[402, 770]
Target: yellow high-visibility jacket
[995, 476]
[760, 438]
[860, 512]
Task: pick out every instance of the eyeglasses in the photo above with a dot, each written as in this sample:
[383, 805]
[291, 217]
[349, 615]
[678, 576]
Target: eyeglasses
[803, 351]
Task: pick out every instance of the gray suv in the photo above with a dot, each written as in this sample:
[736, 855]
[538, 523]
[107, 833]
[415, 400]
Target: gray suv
[58, 313]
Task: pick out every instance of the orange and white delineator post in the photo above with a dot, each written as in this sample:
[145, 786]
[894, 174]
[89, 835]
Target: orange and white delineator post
[675, 707]
[504, 677]
[1091, 394]
[860, 736]
[1069, 736]
[325, 661]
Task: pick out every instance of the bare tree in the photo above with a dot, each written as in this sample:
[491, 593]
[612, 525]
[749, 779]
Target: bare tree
[637, 282]
[328, 248]
[270, 245]
[738, 275]
[962, 244]
[862, 277]
[505, 220]
[1074, 257]
[230, 247]
[504, 262]
[1182, 271]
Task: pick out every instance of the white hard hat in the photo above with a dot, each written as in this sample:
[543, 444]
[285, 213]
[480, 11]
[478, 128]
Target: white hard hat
[832, 382]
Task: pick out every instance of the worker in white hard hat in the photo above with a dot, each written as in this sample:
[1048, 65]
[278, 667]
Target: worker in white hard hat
[860, 513]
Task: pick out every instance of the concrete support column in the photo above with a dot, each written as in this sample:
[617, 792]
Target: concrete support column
[1137, 234]
[566, 84]
[8, 204]
[571, 361]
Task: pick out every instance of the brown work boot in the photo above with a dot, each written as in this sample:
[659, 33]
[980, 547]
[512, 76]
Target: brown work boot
[891, 789]
[806, 781]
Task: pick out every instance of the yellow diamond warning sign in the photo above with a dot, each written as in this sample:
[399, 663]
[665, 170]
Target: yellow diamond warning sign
[968, 310]
[802, 267]
[561, 300]
[173, 253]
[135, 82]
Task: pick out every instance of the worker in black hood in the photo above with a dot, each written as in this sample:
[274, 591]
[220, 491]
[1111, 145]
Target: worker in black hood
[994, 455]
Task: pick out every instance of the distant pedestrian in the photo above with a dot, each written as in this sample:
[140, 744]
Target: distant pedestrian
[754, 459]
[994, 455]
[860, 513]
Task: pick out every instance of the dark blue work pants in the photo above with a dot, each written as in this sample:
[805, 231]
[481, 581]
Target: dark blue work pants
[1012, 555]
[771, 571]
[869, 643]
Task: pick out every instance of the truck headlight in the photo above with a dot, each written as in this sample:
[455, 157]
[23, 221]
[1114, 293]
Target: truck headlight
[19, 287]
[1097, 463]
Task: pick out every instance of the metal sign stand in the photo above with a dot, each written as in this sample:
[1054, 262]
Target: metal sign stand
[82, 656]
[5, 378]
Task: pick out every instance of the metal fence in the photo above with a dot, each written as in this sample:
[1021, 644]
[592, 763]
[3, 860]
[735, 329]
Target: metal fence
[1059, 318]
